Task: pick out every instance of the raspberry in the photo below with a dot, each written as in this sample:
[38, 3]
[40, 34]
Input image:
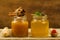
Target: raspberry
[53, 33]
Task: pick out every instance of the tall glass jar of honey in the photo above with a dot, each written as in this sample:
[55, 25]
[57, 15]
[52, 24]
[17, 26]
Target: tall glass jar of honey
[39, 25]
[19, 27]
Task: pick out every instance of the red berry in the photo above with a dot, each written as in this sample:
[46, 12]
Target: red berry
[53, 31]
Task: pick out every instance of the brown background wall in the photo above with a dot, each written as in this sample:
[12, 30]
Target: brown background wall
[50, 7]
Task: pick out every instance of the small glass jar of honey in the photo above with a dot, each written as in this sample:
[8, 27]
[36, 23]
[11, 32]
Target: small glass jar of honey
[19, 27]
[39, 25]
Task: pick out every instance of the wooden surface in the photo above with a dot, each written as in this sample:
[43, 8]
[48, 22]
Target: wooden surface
[32, 38]
[50, 7]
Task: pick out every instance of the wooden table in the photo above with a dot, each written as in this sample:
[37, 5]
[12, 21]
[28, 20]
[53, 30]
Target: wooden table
[32, 38]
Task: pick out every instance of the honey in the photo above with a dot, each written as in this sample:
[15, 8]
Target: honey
[19, 28]
[40, 26]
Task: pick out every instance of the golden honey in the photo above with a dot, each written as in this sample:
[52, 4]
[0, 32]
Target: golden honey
[19, 28]
[40, 28]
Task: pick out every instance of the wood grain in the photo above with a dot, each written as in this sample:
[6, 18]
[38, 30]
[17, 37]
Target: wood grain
[50, 7]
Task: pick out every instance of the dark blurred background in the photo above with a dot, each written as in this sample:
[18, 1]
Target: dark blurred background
[49, 7]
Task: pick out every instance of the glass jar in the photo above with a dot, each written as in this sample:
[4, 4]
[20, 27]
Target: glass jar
[19, 27]
[40, 26]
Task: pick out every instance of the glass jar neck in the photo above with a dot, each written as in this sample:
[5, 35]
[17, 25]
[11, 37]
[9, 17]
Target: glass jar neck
[40, 17]
[23, 18]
